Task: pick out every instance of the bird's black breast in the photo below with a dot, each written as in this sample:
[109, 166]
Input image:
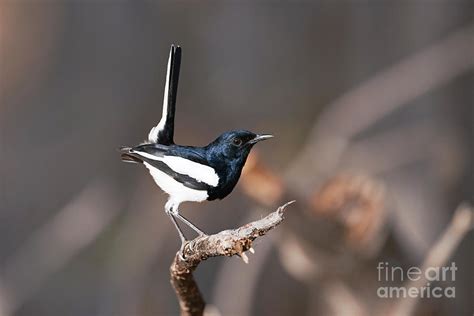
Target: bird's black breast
[229, 174]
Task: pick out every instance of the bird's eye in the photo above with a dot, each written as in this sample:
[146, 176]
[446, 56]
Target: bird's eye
[237, 141]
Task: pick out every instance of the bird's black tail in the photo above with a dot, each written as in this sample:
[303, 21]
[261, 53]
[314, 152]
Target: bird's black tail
[163, 133]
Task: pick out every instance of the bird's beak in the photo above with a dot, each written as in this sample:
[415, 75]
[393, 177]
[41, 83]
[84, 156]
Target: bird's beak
[260, 138]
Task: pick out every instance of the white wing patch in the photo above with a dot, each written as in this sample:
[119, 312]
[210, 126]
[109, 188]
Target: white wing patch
[200, 172]
[177, 191]
[153, 135]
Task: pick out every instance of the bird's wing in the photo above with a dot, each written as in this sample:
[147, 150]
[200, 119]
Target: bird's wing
[164, 131]
[187, 167]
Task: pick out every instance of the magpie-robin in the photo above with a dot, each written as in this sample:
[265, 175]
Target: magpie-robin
[190, 173]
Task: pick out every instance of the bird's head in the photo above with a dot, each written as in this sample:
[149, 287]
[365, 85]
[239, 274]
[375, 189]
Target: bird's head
[236, 144]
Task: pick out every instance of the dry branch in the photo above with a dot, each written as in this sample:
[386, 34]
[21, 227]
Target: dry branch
[225, 243]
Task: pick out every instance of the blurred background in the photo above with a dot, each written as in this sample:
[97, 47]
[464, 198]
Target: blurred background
[371, 105]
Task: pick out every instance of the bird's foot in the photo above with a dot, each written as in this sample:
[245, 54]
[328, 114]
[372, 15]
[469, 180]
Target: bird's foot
[181, 251]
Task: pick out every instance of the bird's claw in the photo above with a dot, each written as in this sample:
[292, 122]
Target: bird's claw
[181, 251]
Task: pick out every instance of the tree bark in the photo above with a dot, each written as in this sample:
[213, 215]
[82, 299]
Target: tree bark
[225, 243]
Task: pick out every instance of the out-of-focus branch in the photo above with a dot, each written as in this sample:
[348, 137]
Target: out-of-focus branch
[352, 209]
[73, 228]
[412, 76]
[142, 236]
[383, 93]
[225, 243]
[461, 223]
[348, 204]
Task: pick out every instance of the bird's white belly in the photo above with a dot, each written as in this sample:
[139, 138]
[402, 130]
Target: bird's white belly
[177, 191]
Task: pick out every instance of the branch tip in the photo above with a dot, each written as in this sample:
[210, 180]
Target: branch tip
[463, 218]
[282, 208]
[244, 258]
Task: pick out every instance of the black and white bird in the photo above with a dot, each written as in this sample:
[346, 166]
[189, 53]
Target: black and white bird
[188, 173]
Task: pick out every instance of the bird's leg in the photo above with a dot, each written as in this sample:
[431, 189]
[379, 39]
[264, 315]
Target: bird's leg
[187, 222]
[169, 212]
[169, 209]
[181, 236]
